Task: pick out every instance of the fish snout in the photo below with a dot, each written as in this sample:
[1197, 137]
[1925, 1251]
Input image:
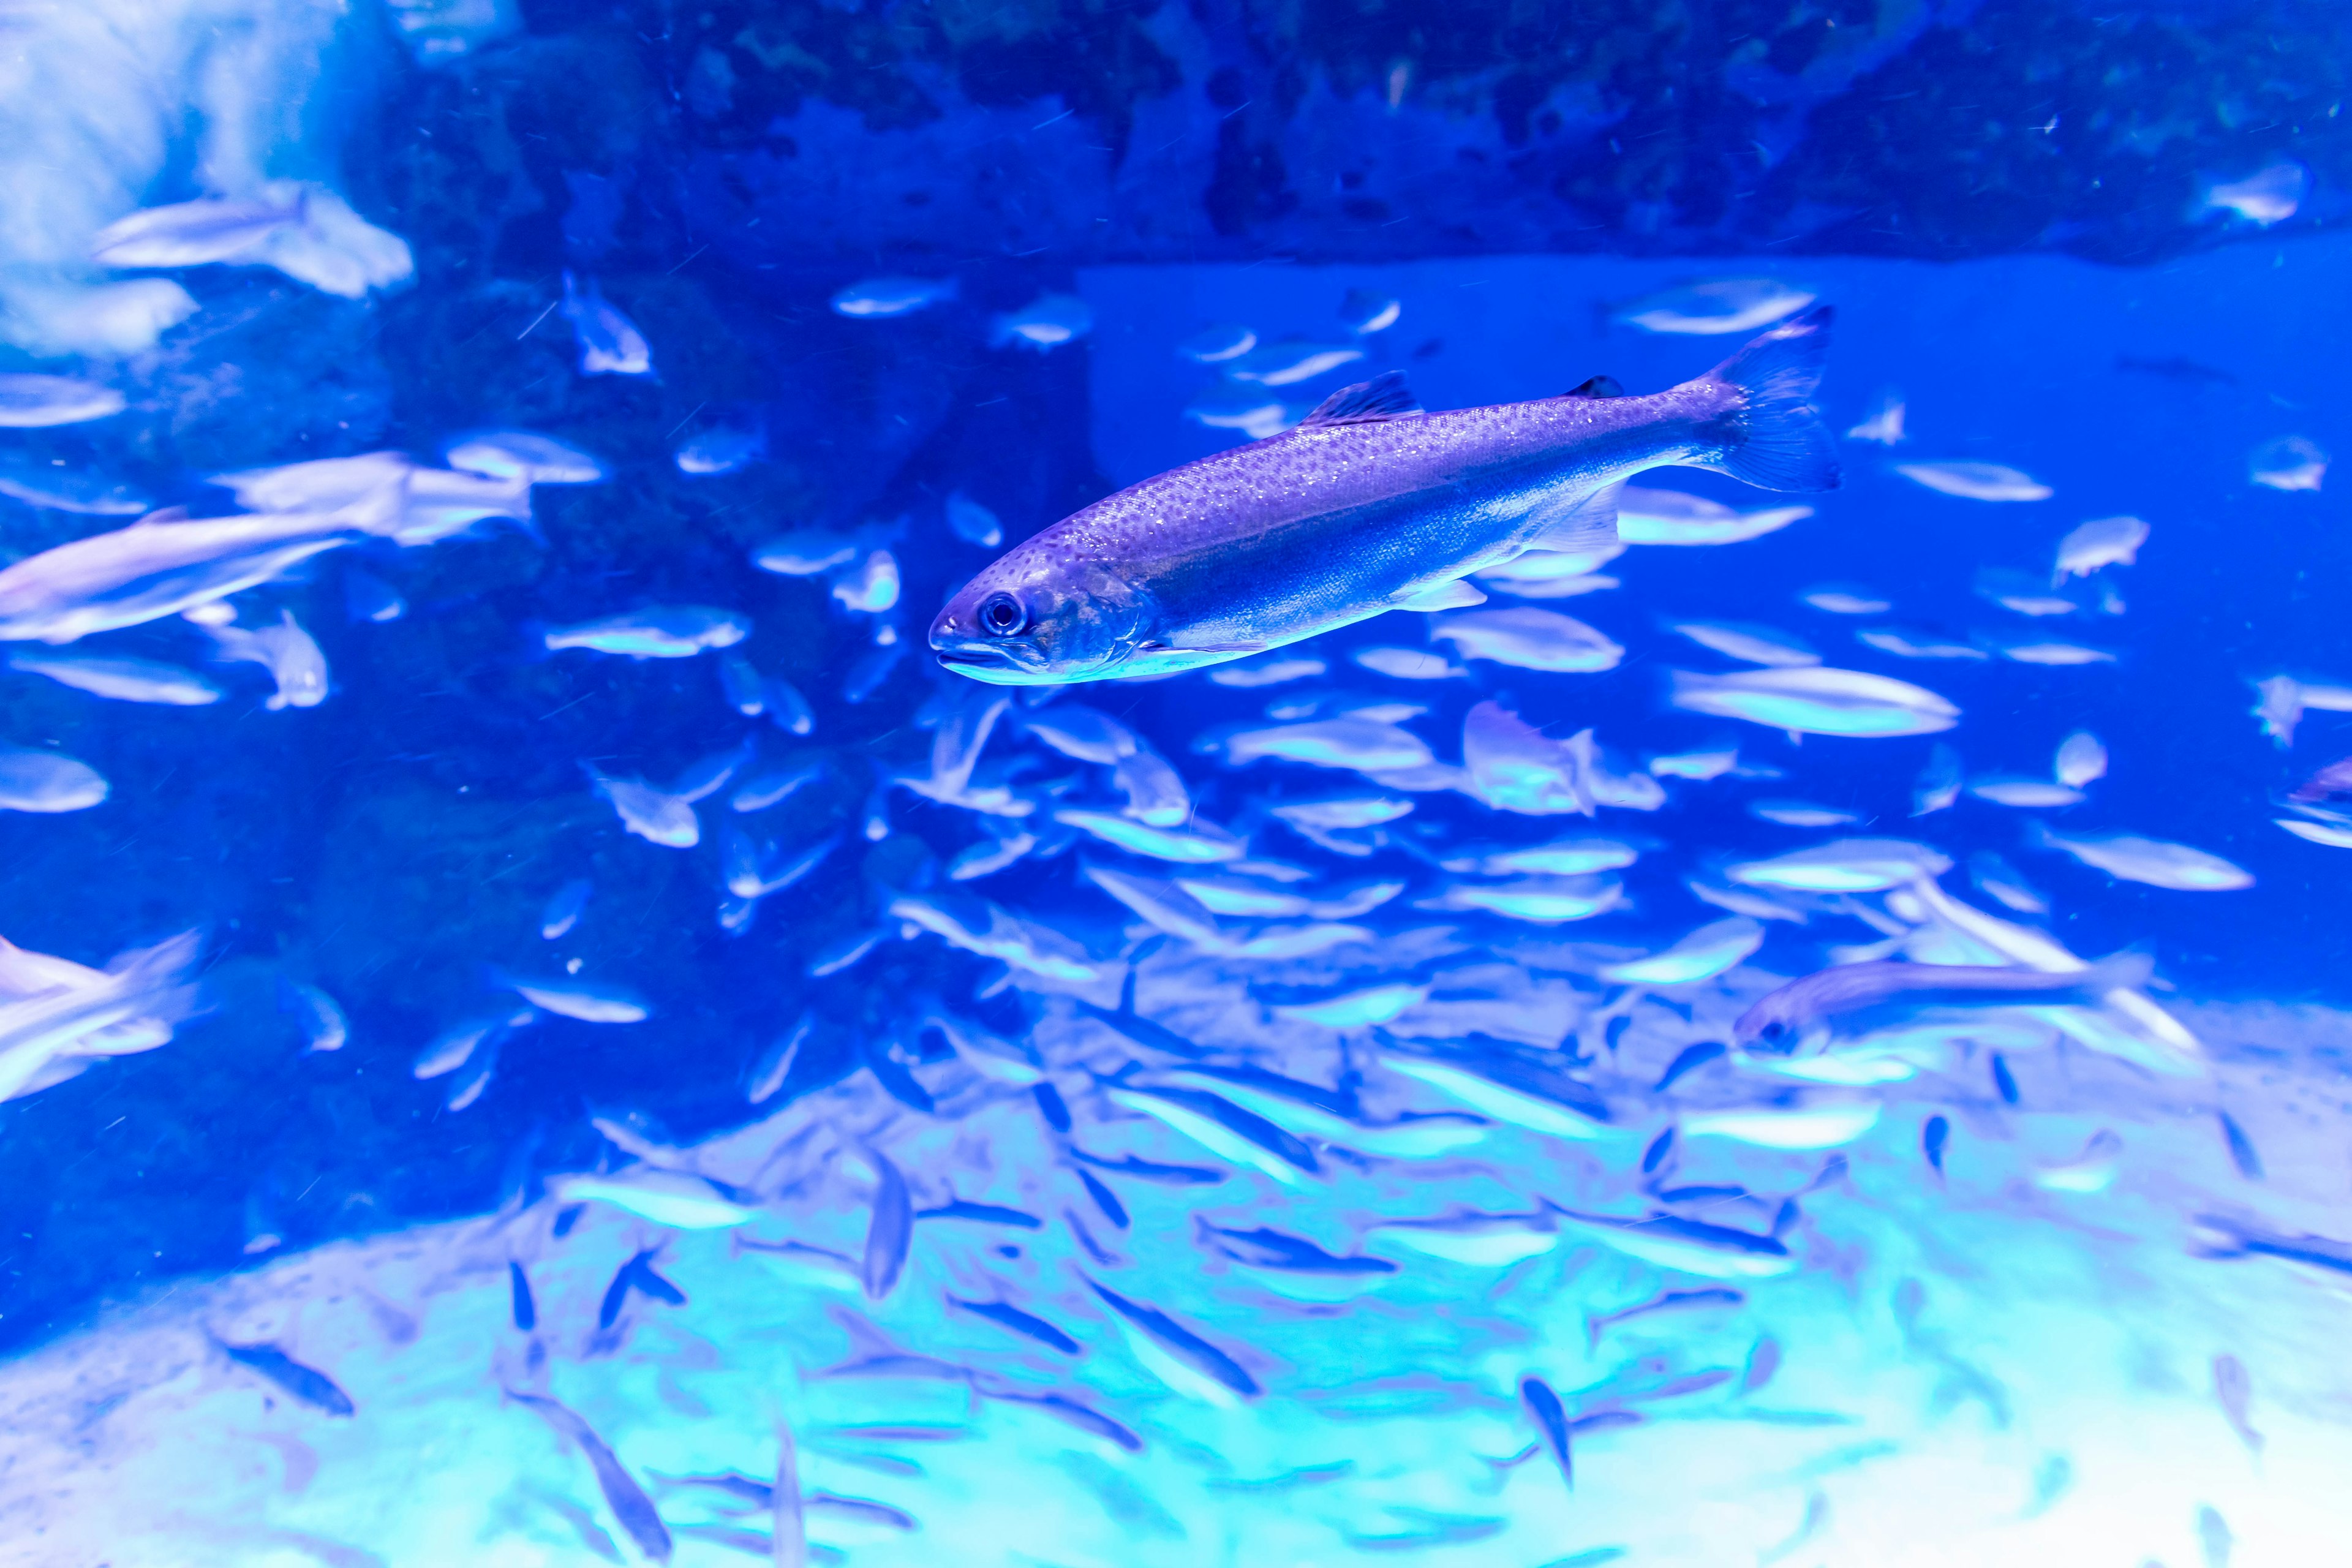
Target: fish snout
[984, 636]
[957, 647]
[1762, 1027]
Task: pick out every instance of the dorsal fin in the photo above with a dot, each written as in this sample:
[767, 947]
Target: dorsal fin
[1382, 397]
[1598, 387]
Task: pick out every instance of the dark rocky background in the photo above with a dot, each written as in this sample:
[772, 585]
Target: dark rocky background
[820, 131]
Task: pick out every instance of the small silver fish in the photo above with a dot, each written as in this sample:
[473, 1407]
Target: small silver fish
[1939, 781]
[368, 597]
[1254, 412]
[1852, 995]
[879, 298]
[805, 553]
[1214, 345]
[2032, 648]
[660, 632]
[1884, 423]
[1905, 643]
[610, 344]
[972, 522]
[2272, 193]
[1717, 308]
[2154, 861]
[722, 449]
[564, 907]
[35, 402]
[1844, 865]
[1747, 643]
[57, 488]
[292, 657]
[2101, 542]
[1256, 548]
[1815, 700]
[2023, 593]
[2289, 463]
[122, 679]
[653, 813]
[328, 246]
[2025, 794]
[325, 1027]
[2081, 760]
[1976, 481]
[193, 234]
[406, 501]
[1670, 517]
[589, 1001]
[2235, 1391]
[1802, 814]
[1998, 880]
[53, 1011]
[524, 454]
[1291, 360]
[48, 781]
[1844, 599]
[1529, 639]
[1368, 311]
[1045, 323]
[872, 587]
[622, 1495]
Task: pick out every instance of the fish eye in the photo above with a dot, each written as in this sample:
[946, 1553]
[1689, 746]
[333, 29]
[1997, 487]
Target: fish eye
[1775, 1029]
[1002, 615]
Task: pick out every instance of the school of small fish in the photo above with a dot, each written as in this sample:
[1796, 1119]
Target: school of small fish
[1282, 1172]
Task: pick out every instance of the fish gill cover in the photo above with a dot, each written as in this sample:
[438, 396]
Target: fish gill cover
[538, 1021]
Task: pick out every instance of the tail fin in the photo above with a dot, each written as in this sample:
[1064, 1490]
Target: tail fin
[1773, 437]
[2129, 970]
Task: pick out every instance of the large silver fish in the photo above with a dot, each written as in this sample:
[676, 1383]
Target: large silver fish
[1371, 505]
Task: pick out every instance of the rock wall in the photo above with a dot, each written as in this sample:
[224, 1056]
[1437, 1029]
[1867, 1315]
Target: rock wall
[810, 132]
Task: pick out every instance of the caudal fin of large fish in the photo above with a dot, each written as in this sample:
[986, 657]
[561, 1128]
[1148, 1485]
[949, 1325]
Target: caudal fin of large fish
[1772, 436]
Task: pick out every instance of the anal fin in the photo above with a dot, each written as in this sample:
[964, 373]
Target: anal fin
[1458, 595]
[1585, 522]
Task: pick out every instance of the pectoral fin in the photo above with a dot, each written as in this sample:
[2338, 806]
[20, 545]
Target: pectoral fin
[1457, 594]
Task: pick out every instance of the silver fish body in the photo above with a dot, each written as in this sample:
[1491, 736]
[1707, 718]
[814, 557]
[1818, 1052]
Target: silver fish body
[1371, 505]
[1854, 997]
[158, 566]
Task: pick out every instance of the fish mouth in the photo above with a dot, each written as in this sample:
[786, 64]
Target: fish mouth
[985, 662]
[993, 671]
[980, 656]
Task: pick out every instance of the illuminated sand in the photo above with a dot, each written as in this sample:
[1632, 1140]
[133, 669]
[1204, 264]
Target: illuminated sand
[1973, 1370]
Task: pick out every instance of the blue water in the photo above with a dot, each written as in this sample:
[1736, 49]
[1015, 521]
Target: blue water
[1029, 1176]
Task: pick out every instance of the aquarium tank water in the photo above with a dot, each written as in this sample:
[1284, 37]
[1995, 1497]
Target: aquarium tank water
[1175, 783]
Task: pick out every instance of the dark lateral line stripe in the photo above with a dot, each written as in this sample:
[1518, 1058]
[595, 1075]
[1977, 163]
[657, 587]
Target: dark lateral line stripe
[1199, 1351]
[982, 1213]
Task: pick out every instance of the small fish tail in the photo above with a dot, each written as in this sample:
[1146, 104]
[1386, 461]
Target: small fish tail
[1772, 435]
[2129, 970]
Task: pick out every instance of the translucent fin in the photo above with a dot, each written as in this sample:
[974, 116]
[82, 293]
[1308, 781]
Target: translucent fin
[1772, 436]
[1582, 522]
[1367, 402]
[1457, 594]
